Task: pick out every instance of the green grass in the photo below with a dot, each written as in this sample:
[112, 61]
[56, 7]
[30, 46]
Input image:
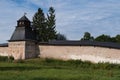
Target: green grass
[49, 69]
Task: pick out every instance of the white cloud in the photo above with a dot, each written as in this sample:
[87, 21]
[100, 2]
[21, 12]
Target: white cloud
[10, 13]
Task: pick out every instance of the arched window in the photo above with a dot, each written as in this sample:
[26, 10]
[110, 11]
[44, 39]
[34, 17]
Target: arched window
[20, 23]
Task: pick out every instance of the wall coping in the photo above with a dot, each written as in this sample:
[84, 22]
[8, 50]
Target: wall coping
[4, 45]
[82, 43]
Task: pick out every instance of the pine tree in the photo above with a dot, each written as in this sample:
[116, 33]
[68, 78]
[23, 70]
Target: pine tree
[51, 32]
[39, 22]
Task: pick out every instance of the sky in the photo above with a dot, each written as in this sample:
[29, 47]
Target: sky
[73, 17]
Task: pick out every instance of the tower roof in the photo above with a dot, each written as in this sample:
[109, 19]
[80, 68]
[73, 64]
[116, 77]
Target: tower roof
[25, 32]
[24, 18]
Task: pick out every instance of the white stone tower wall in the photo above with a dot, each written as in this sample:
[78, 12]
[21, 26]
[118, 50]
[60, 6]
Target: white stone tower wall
[17, 49]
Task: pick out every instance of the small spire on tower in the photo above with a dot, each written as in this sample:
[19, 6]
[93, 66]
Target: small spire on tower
[25, 13]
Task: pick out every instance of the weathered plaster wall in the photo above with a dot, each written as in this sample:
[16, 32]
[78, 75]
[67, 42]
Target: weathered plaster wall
[17, 49]
[4, 51]
[30, 49]
[91, 53]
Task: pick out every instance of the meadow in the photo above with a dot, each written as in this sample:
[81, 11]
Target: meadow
[50, 69]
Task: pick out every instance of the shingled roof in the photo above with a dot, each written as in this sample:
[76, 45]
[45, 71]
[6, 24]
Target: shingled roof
[23, 32]
[83, 43]
[24, 18]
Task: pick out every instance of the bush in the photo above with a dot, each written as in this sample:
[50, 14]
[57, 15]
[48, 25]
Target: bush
[3, 58]
[6, 58]
[10, 59]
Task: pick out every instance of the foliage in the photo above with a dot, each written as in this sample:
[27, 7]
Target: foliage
[61, 37]
[50, 69]
[51, 32]
[107, 38]
[103, 38]
[117, 38]
[10, 58]
[6, 58]
[113, 39]
[39, 22]
[87, 36]
[45, 27]
[3, 58]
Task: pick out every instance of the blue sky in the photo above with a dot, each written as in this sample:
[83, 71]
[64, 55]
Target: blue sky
[73, 17]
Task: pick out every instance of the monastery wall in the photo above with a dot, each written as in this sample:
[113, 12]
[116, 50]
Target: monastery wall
[4, 51]
[17, 49]
[31, 49]
[85, 53]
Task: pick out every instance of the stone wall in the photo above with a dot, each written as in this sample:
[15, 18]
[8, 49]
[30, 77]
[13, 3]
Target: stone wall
[30, 49]
[17, 49]
[20, 50]
[4, 51]
[89, 53]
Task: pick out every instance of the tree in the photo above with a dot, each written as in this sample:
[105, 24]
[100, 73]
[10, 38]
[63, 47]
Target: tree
[61, 37]
[117, 38]
[113, 39]
[39, 22]
[103, 38]
[51, 32]
[87, 36]
[45, 27]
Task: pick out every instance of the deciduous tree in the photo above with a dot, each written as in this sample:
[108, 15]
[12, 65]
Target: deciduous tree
[87, 36]
[103, 38]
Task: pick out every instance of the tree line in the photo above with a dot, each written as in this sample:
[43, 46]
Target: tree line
[101, 38]
[45, 26]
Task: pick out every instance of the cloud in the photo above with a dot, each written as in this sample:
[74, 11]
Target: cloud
[97, 17]
[10, 13]
[73, 17]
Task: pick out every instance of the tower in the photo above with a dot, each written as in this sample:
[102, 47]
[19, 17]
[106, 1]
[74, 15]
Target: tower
[22, 43]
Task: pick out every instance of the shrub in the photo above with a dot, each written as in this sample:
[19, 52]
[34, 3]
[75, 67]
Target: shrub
[6, 58]
[10, 59]
[3, 58]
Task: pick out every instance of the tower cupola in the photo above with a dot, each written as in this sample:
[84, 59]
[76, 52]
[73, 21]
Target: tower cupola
[23, 30]
[23, 22]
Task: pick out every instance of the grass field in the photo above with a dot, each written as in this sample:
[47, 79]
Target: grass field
[49, 69]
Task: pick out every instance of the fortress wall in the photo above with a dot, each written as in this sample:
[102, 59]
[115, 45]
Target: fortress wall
[17, 49]
[30, 50]
[89, 53]
[4, 51]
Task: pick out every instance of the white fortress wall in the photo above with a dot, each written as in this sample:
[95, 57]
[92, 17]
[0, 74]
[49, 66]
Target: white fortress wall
[85, 53]
[17, 49]
[4, 51]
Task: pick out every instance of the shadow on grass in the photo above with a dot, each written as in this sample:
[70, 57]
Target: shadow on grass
[28, 68]
[18, 68]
